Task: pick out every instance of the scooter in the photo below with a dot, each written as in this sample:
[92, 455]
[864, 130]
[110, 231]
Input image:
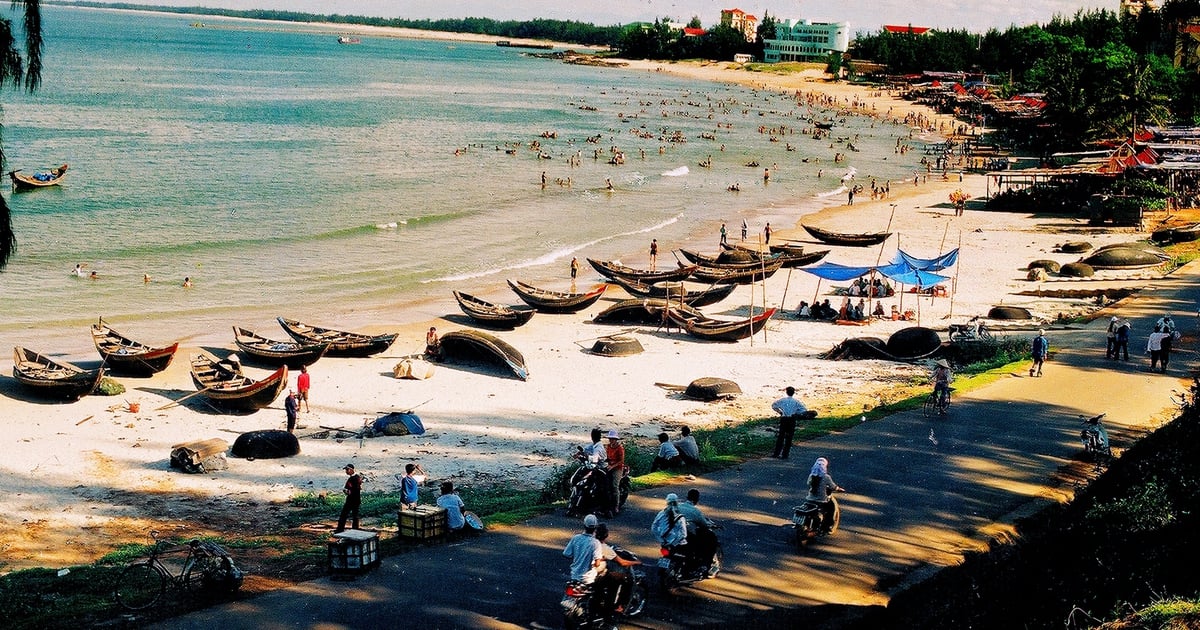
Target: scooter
[1095, 440]
[588, 488]
[580, 609]
[676, 566]
[973, 330]
[806, 521]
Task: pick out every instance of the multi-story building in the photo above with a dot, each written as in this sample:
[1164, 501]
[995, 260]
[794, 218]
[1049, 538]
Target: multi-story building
[739, 20]
[801, 40]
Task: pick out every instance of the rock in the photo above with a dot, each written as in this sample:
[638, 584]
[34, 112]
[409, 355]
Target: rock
[1077, 270]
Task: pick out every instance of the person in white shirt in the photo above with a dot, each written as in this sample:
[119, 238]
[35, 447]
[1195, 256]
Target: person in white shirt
[585, 552]
[455, 517]
[668, 455]
[789, 410]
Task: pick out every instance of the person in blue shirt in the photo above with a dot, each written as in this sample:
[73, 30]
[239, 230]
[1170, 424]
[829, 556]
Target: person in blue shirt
[1039, 349]
[409, 485]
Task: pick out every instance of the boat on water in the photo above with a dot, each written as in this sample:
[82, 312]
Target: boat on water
[22, 182]
[610, 269]
[710, 329]
[126, 356]
[548, 301]
[341, 343]
[677, 291]
[469, 345]
[346, 39]
[54, 379]
[492, 315]
[264, 351]
[224, 384]
[849, 240]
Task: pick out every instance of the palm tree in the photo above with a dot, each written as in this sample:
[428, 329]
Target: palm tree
[22, 70]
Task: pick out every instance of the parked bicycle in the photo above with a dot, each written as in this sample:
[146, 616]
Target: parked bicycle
[196, 563]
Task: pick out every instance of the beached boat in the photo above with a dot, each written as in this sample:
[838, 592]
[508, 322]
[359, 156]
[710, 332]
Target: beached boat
[848, 240]
[468, 345]
[22, 182]
[492, 315]
[738, 275]
[610, 269]
[556, 301]
[709, 329]
[223, 384]
[677, 291]
[126, 356]
[792, 255]
[49, 378]
[729, 258]
[264, 351]
[341, 343]
[640, 311]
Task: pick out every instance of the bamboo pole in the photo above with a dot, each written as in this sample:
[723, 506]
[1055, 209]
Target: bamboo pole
[954, 284]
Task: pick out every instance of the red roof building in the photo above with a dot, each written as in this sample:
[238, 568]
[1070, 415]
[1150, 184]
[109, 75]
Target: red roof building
[739, 20]
[915, 30]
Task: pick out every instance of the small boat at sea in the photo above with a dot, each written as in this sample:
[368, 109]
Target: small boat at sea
[610, 269]
[709, 329]
[264, 351]
[492, 315]
[677, 291]
[50, 378]
[42, 179]
[848, 240]
[346, 39]
[468, 345]
[738, 275]
[126, 356]
[556, 301]
[223, 383]
[341, 343]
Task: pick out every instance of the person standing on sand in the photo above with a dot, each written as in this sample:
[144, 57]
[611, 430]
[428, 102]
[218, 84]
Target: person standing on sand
[745, 229]
[653, 254]
[574, 267]
[543, 179]
[767, 233]
[290, 407]
[724, 235]
[303, 382]
[353, 492]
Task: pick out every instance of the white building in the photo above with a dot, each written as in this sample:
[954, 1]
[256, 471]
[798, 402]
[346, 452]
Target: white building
[801, 40]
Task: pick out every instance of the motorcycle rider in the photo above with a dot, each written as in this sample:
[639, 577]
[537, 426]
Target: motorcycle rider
[615, 582]
[700, 535]
[615, 454]
[585, 552]
[596, 455]
[820, 486]
[670, 526]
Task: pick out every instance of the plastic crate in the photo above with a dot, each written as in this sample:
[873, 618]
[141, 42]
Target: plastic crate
[423, 522]
[353, 550]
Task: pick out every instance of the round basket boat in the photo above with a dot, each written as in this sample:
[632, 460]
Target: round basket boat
[1075, 247]
[1049, 265]
[266, 444]
[1009, 312]
[1077, 270]
[735, 256]
[913, 342]
[1122, 258]
[711, 388]
[617, 346]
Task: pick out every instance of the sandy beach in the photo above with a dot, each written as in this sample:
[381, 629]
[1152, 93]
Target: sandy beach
[85, 477]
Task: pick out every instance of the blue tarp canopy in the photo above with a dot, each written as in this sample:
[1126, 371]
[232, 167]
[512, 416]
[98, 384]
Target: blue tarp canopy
[927, 264]
[904, 268]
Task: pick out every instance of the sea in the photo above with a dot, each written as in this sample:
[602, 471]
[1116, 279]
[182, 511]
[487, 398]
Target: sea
[355, 186]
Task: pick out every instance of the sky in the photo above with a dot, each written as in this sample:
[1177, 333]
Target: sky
[863, 15]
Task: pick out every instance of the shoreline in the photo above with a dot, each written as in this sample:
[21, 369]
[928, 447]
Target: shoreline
[81, 473]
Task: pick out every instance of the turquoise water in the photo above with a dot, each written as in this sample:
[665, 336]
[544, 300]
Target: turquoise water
[286, 174]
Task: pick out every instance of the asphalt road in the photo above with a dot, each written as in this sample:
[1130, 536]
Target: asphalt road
[921, 492]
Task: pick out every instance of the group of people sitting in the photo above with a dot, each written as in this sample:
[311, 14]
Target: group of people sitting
[873, 288]
[847, 312]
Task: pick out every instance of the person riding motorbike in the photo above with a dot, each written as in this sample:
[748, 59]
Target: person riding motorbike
[700, 535]
[615, 582]
[595, 456]
[670, 526]
[584, 552]
[820, 486]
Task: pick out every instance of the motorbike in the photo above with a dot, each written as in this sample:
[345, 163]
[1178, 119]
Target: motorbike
[1095, 440]
[973, 330]
[806, 521]
[581, 610]
[588, 488]
[677, 568]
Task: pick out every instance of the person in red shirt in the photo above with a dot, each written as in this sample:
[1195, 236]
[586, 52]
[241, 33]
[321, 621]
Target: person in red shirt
[302, 385]
[616, 468]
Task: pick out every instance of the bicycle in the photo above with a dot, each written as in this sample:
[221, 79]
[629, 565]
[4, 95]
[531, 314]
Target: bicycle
[143, 582]
[937, 405]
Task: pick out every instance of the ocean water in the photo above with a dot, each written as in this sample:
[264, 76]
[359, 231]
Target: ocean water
[357, 184]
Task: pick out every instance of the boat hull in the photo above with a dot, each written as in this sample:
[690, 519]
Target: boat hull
[491, 315]
[847, 240]
[341, 343]
[228, 388]
[556, 301]
[53, 380]
[262, 351]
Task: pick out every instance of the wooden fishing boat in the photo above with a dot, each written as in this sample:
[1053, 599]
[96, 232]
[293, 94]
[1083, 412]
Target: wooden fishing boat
[677, 291]
[556, 301]
[848, 240]
[614, 270]
[709, 329]
[491, 315]
[792, 255]
[640, 311]
[223, 383]
[22, 182]
[127, 356]
[341, 343]
[264, 351]
[468, 345]
[730, 258]
[49, 378]
[740, 275]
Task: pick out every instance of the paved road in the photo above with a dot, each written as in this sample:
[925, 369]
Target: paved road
[921, 492]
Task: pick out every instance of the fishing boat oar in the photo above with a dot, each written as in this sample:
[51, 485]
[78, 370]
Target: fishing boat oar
[180, 400]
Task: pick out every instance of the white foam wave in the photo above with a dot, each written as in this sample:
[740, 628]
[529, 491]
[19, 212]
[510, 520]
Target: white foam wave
[837, 191]
[550, 257]
[677, 172]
